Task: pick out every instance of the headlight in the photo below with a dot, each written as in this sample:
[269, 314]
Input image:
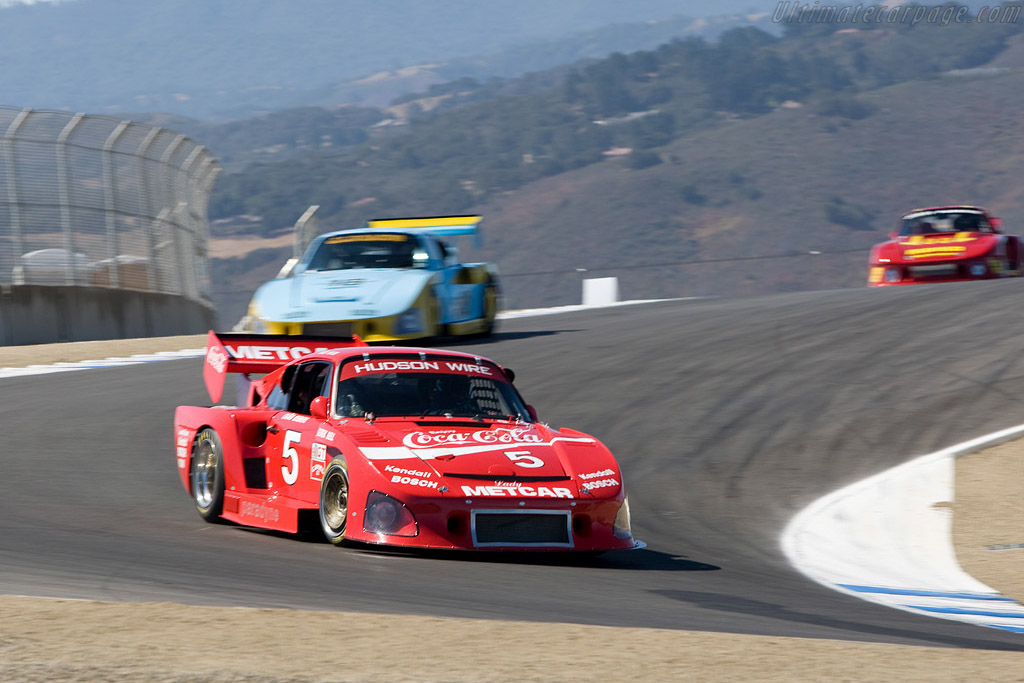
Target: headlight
[892, 275]
[621, 527]
[978, 269]
[409, 322]
[387, 515]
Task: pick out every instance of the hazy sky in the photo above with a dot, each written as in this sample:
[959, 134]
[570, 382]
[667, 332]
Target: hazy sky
[695, 8]
[230, 58]
[691, 7]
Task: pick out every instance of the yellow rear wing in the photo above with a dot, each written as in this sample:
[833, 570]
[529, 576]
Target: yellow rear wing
[434, 225]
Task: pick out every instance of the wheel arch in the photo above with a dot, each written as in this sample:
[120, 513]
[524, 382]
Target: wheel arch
[195, 419]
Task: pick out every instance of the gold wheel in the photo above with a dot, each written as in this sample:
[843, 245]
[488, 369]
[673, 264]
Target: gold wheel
[334, 501]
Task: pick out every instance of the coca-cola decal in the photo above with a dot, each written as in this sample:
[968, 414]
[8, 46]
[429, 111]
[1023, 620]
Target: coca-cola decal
[488, 437]
[217, 358]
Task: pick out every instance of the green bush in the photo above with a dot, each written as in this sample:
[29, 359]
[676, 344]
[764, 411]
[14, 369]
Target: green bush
[839, 212]
[643, 159]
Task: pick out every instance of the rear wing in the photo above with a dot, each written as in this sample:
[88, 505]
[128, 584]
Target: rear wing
[433, 225]
[260, 353]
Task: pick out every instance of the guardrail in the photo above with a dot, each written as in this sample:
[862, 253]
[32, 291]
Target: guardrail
[103, 228]
[98, 201]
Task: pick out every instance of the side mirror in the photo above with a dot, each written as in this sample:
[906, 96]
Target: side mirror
[318, 408]
[532, 412]
[997, 224]
[510, 373]
[893, 235]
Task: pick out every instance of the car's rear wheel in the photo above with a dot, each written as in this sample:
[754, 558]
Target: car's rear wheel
[207, 474]
[1013, 263]
[490, 308]
[334, 501]
[435, 325]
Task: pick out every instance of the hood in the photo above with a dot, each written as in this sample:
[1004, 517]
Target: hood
[464, 453]
[950, 247]
[341, 294]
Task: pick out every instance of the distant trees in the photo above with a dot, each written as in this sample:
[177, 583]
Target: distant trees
[643, 159]
[844, 105]
[495, 136]
[838, 211]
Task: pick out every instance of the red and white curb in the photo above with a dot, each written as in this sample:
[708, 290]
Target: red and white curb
[889, 539]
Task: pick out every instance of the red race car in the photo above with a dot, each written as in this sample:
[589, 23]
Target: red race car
[945, 244]
[410, 447]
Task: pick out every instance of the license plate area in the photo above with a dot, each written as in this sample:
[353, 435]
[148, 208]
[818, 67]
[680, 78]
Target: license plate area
[936, 270]
[521, 528]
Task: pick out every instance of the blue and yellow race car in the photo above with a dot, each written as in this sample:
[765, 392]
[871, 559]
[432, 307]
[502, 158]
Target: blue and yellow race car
[395, 280]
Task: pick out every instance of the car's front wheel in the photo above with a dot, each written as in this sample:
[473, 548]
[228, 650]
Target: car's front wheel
[334, 501]
[207, 474]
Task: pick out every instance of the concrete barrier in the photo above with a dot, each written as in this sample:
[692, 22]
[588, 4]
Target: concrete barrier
[38, 314]
[600, 291]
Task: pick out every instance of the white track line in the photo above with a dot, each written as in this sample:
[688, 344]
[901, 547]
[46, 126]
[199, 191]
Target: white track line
[190, 353]
[114, 361]
[889, 539]
[533, 312]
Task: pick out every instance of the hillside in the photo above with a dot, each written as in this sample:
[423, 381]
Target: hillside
[726, 185]
[752, 202]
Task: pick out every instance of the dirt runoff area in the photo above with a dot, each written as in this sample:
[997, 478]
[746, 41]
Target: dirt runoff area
[63, 640]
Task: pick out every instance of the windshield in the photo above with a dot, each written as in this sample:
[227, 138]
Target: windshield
[368, 251]
[945, 222]
[419, 394]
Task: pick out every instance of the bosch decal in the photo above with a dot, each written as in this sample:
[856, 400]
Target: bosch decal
[413, 481]
[600, 484]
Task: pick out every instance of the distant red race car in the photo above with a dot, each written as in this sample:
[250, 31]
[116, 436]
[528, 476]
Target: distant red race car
[945, 244]
[412, 447]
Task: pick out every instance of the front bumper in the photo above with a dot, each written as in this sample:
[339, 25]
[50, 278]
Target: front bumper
[369, 329]
[921, 272]
[502, 523]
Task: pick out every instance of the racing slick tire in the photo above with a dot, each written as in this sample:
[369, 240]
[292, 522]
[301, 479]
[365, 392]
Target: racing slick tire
[435, 327]
[334, 501]
[206, 474]
[1013, 260]
[490, 308]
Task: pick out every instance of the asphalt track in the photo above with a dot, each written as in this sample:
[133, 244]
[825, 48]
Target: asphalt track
[728, 417]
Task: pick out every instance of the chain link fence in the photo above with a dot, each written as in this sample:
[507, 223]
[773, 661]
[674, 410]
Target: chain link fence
[102, 202]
